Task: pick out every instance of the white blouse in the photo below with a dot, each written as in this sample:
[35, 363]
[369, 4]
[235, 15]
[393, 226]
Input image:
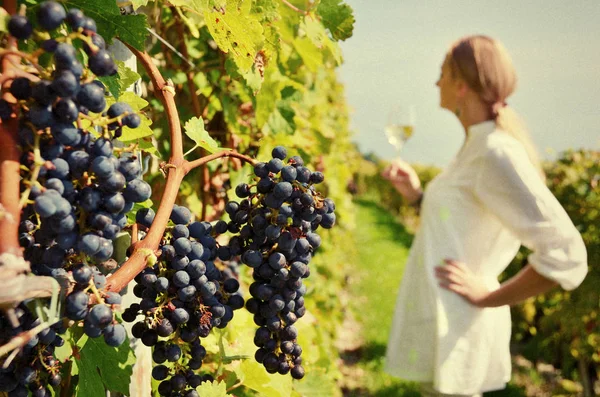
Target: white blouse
[479, 210]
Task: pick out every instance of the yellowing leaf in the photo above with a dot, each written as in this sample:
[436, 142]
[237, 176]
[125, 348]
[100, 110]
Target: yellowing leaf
[257, 378]
[212, 389]
[237, 32]
[143, 130]
[194, 129]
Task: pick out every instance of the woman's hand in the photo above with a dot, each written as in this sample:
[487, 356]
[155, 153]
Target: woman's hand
[405, 179]
[457, 277]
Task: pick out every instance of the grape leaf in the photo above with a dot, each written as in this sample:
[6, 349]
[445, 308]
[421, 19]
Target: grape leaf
[101, 364]
[212, 389]
[311, 55]
[236, 31]
[138, 3]
[118, 83]
[199, 6]
[4, 17]
[316, 384]
[194, 129]
[129, 28]
[266, 384]
[337, 17]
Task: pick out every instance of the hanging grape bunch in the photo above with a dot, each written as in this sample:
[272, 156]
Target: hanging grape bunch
[277, 218]
[76, 192]
[183, 296]
[35, 366]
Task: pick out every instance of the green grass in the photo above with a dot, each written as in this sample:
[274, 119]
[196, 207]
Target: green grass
[382, 245]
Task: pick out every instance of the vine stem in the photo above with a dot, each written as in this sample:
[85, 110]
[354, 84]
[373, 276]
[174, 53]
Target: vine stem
[166, 94]
[293, 7]
[204, 175]
[22, 339]
[10, 160]
[190, 165]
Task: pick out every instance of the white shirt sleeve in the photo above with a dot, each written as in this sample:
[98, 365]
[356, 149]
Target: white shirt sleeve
[509, 186]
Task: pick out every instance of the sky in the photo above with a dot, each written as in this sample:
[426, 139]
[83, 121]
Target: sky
[397, 48]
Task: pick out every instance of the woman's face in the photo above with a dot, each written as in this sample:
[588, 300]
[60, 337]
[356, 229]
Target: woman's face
[448, 88]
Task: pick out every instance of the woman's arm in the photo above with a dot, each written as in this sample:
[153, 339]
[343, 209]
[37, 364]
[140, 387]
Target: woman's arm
[457, 277]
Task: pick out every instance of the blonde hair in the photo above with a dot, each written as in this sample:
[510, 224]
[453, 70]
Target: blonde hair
[484, 64]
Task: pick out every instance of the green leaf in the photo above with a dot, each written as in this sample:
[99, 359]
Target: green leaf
[118, 83]
[337, 17]
[4, 17]
[101, 364]
[143, 130]
[128, 28]
[316, 383]
[266, 384]
[133, 100]
[147, 145]
[199, 6]
[194, 129]
[311, 55]
[138, 3]
[212, 389]
[236, 31]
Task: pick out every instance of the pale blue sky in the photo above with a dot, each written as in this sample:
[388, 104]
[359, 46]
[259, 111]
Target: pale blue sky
[398, 46]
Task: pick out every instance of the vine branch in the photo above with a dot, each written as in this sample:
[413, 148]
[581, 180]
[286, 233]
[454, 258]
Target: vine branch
[293, 7]
[190, 165]
[166, 93]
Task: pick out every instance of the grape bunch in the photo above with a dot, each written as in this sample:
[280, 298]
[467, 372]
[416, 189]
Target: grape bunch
[34, 367]
[76, 191]
[277, 218]
[183, 296]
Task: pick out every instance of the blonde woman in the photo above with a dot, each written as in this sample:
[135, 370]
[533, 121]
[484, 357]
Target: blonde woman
[451, 328]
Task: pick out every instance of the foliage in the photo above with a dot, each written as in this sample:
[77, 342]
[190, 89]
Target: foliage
[561, 327]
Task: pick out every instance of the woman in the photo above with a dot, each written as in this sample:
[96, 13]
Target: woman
[451, 329]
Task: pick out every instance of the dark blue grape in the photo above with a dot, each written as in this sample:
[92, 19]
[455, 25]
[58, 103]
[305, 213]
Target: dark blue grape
[5, 110]
[65, 84]
[21, 88]
[137, 191]
[92, 97]
[101, 64]
[279, 152]
[180, 215]
[43, 93]
[75, 18]
[115, 335]
[66, 110]
[20, 27]
[100, 315]
[41, 116]
[50, 15]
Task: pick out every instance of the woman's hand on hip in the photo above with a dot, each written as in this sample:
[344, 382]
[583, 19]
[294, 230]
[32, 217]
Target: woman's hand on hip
[455, 276]
[404, 178]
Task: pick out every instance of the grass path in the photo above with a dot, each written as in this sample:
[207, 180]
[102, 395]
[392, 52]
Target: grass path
[382, 245]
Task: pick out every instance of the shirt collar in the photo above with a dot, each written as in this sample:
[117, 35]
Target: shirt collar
[481, 128]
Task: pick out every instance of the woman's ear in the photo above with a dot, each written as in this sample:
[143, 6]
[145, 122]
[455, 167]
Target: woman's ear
[461, 89]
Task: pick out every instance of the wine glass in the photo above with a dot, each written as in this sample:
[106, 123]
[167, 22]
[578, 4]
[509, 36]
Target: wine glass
[400, 125]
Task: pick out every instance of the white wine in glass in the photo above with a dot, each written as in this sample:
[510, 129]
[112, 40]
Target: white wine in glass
[400, 125]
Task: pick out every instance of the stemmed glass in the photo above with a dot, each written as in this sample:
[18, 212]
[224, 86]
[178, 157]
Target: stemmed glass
[400, 125]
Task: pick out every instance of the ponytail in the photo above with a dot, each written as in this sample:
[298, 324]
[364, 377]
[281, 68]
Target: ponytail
[509, 121]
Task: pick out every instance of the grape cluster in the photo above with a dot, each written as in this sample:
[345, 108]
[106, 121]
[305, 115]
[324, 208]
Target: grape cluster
[277, 218]
[79, 191]
[183, 296]
[34, 367]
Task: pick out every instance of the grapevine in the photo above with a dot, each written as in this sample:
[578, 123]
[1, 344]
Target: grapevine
[81, 188]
